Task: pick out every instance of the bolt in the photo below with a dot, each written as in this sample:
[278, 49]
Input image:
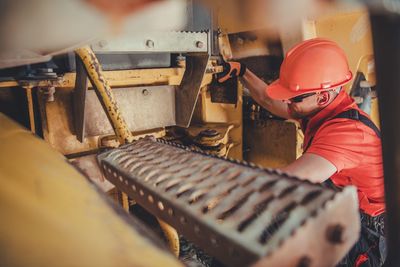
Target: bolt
[150, 43]
[180, 61]
[103, 43]
[240, 41]
[145, 92]
[49, 92]
[334, 234]
[199, 44]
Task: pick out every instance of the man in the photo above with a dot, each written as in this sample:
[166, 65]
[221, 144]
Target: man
[341, 144]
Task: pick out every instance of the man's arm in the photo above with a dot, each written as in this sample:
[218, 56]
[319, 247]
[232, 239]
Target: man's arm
[311, 167]
[257, 88]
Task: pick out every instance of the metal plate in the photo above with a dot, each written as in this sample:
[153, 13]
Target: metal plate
[172, 42]
[142, 107]
[188, 91]
[235, 211]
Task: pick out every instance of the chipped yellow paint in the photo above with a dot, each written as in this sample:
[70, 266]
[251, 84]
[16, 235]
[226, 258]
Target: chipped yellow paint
[171, 235]
[103, 91]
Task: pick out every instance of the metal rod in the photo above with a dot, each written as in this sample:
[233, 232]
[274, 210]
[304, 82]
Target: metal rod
[171, 235]
[104, 93]
[110, 106]
[386, 40]
[28, 90]
[79, 99]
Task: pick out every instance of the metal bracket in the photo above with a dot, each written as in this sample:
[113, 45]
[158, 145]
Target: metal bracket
[79, 99]
[188, 92]
[160, 42]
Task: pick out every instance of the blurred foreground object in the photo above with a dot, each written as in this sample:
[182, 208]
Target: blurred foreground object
[56, 217]
[33, 31]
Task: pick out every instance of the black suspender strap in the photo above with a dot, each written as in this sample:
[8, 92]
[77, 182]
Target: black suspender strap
[353, 114]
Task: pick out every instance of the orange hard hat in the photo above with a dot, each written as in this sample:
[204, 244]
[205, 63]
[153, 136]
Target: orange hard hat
[314, 65]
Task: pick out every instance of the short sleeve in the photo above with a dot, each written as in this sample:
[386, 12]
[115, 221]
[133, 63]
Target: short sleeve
[339, 141]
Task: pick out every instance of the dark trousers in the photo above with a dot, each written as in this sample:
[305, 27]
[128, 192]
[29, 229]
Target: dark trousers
[370, 249]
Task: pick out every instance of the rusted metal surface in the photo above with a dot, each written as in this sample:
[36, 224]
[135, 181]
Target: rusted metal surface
[104, 93]
[188, 91]
[237, 212]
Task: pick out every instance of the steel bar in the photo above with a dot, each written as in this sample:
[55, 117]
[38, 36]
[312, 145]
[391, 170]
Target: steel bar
[79, 99]
[156, 42]
[237, 212]
[29, 97]
[386, 40]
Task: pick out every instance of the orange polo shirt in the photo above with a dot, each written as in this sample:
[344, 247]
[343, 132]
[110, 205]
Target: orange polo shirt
[353, 148]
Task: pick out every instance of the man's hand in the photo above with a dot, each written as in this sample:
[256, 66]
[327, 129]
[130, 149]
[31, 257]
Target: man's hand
[231, 70]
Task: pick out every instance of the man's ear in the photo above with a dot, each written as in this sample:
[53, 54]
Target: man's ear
[323, 98]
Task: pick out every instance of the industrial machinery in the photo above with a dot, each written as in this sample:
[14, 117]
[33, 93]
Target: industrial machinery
[142, 118]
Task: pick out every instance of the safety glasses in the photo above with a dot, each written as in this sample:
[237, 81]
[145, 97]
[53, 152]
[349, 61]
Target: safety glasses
[300, 98]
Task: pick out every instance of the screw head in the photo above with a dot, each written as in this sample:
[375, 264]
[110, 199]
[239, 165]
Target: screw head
[103, 43]
[145, 92]
[199, 44]
[150, 43]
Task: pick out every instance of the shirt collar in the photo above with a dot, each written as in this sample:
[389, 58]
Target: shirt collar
[341, 103]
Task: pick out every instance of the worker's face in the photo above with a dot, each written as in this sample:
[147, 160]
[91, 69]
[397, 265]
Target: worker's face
[308, 106]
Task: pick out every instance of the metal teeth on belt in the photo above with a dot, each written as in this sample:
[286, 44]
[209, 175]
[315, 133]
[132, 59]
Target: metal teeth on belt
[236, 211]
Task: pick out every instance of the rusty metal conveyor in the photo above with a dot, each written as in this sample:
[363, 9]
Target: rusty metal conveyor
[237, 212]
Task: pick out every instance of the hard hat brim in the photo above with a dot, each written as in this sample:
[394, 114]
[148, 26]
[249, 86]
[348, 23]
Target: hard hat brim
[277, 91]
